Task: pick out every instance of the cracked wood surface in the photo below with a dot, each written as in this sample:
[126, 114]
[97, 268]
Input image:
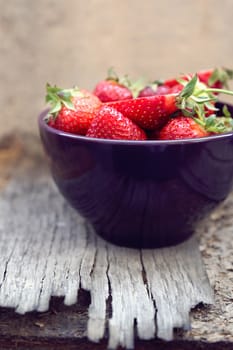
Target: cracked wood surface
[47, 250]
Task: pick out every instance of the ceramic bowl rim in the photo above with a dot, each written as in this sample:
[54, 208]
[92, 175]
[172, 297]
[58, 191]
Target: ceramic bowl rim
[44, 125]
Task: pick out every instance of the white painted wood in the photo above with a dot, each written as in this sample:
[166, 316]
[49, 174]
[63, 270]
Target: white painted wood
[47, 249]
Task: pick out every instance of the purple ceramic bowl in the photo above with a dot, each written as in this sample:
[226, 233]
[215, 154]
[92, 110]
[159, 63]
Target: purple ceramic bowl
[142, 194]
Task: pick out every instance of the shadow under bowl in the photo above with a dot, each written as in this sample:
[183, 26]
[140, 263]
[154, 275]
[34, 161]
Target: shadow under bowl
[142, 194]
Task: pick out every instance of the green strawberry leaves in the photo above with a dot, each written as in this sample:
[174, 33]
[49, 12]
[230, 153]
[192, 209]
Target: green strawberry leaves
[193, 99]
[189, 87]
[134, 86]
[196, 99]
[218, 125]
[222, 75]
[58, 97]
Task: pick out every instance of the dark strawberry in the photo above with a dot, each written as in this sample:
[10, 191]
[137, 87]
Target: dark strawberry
[111, 124]
[152, 90]
[147, 112]
[181, 128]
[160, 90]
[72, 110]
[149, 90]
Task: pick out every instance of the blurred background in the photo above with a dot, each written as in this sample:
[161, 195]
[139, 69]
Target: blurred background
[74, 42]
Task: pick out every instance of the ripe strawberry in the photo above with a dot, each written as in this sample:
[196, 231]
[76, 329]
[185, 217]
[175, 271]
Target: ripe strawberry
[147, 112]
[176, 89]
[214, 78]
[111, 90]
[206, 77]
[111, 124]
[152, 112]
[181, 128]
[114, 88]
[72, 110]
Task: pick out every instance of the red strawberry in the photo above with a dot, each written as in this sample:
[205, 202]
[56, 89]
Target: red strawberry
[181, 128]
[214, 78]
[72, 109]
[176, 89]
[205, 77]
[111, 124]
[147, 112]
[111, 90]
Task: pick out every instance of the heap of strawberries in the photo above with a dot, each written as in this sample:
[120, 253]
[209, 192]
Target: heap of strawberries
[178, 108]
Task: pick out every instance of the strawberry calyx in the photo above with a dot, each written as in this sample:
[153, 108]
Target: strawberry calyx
[220, 75]
[57, 98]
[217, 77]
[193, 95]
[196, 99]
[133, 86]
[113, 76]
[216, 124]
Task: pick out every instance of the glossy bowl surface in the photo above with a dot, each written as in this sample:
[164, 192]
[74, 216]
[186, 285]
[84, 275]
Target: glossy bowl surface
[142, 194]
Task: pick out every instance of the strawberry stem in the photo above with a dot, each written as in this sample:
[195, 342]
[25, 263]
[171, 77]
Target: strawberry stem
[223, 91]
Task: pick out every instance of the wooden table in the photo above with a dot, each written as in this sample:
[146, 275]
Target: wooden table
[61, 286]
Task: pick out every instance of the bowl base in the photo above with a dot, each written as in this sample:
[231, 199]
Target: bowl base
[148, 242]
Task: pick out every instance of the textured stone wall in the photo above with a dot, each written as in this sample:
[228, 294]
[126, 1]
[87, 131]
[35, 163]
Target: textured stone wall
[73, 42]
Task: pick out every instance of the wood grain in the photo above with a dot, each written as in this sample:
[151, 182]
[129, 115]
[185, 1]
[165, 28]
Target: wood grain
[48, 250]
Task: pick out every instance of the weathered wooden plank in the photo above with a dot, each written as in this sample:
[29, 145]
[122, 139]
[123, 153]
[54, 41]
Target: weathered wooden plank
[51, 251]
[130, 299]
[48, 250]
[216, 246]
[99, 293]
[172, 275]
